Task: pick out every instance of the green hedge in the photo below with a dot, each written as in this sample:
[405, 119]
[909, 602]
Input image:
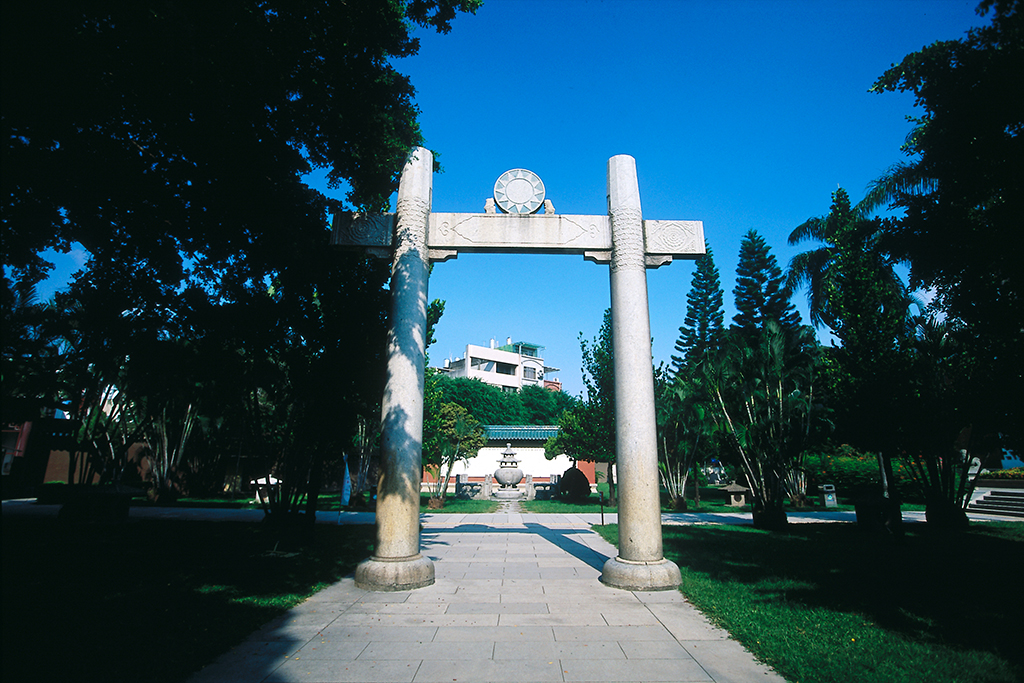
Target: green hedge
[853, 473]
[1015, 473]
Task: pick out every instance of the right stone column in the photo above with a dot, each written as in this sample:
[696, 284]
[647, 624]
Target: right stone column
[640, 564]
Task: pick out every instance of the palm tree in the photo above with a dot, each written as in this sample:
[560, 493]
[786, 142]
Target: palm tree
[848, 259]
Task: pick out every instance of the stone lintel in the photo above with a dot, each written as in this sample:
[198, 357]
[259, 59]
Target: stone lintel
[451, 233]
[487, 232]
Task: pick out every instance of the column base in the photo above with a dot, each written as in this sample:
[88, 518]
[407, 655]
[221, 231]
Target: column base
[662, 575]
[389, 575]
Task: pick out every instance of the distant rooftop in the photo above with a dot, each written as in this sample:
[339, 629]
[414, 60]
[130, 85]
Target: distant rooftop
[522, 347]
[520, 432]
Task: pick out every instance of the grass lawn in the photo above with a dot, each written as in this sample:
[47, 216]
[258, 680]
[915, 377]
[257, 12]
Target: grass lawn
[454, 506]
[152, 600]
[831, 603]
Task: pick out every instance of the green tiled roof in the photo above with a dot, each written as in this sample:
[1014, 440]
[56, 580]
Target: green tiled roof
[520, 432]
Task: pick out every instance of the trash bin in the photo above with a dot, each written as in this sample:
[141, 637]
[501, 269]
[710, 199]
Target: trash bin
[828, 495]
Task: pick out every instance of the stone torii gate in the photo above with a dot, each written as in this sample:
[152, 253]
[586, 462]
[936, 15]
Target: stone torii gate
[413, 237]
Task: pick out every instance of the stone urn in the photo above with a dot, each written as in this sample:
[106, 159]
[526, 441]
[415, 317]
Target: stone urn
[508, 475]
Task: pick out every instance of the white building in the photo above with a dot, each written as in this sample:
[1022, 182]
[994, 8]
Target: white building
[511, 367]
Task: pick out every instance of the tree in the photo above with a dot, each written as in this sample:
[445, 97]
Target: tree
[204, 121]
[486, 402]
[702, 328]
[456, 436]
[587, 430]
[964, 185]
[685, 431]
[761, 292]
[542, 406]
[853, 289]
[762, 386]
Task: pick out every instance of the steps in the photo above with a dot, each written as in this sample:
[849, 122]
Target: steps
[1006, 502]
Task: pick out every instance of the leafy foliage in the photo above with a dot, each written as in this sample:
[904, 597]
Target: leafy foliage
[853, 289]
[455, 436]
[586, 431]
[761, 292]
[964, 185]
[701, 331]
[764, 389]
[209, 306]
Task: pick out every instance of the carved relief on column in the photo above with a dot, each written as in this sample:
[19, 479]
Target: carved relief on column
[627, 239]
[411, 231]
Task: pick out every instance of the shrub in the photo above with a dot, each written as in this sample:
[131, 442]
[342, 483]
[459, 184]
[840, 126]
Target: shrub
[574, 485]
[1015, 473]
[854, 474]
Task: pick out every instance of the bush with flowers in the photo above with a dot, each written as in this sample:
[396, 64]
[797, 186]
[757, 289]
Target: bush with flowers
[1017, 473]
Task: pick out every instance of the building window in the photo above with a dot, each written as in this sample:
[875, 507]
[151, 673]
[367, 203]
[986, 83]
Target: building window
[505, 368]
[529, 373]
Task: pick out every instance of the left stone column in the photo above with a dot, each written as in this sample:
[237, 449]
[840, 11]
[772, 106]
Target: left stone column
[397, 564]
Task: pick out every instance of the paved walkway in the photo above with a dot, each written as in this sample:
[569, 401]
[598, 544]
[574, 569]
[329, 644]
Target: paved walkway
[516, 599]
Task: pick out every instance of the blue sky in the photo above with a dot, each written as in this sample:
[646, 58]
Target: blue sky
[740, 113]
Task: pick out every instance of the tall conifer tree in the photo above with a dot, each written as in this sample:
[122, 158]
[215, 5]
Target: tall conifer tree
[704, 322]
[761, 291]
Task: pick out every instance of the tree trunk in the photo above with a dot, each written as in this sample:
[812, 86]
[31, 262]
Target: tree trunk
[611, 484]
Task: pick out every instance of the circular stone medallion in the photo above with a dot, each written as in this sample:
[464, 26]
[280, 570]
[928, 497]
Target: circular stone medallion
[519, 191]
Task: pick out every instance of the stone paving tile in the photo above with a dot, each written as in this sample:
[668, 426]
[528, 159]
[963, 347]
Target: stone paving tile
[396, 608]
[266, 648]
[558, 573]
[497, 608]
[238, 670]
[670, 670]
[547, 562]
[617, 633]
[607, 597]
[554, 619]
[475, 620]
[299, 633]
[410, 634]
[551, 651]
[630, 617]
[726, 660]
[398, 596]
[441, 564]
[686, 624]
[502, 634]
[343, 591]
[526, 670]
[344, 671]
[478, 585]
[324, 648]
[654, 649]
[426, 651]
[659, 596]
[485, 573]
[456, 598]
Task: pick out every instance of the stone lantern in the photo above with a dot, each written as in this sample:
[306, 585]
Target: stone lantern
[508, 475]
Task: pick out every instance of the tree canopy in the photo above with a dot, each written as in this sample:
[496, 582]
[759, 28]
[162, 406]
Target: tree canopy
[760, 291]
[962, 194]
[703, 325]
[170, 140]
[171, 137]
